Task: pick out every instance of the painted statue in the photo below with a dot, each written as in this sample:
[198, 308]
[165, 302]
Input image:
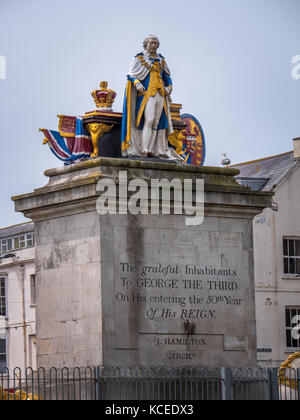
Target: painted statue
[146, 123]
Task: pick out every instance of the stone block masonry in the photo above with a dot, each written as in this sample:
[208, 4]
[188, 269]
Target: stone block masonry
[143, 290]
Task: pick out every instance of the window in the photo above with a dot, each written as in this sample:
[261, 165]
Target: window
[32, 289]
[2, 297]
[291, 256]
[17, 242]
[3, 363]
[30, 239]
[22, 241]
[6, 245]
[292, 322]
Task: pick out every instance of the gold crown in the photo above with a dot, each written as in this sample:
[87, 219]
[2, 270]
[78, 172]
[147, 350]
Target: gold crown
[104, 97]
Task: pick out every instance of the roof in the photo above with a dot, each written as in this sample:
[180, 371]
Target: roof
[16, 230]
[265, 174]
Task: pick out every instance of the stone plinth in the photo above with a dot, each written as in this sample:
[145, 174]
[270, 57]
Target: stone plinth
[129, 290]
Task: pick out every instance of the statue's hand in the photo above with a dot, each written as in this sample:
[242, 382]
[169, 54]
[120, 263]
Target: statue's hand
[140, 87]
[168, 90]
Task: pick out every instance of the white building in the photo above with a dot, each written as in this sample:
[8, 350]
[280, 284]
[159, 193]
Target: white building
[277, 254]
[17, 297]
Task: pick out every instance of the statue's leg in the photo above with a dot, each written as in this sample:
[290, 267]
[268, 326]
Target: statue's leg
[152, 116]
[149, 114]
[159, 105]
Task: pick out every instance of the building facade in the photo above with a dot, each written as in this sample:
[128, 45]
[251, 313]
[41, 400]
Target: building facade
[276, 255]
[17, 297]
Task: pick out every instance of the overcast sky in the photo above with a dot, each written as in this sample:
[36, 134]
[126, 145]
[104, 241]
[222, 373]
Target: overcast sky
[231, 65]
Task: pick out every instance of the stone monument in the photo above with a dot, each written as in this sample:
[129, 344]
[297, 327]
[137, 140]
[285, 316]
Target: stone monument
[142, 287]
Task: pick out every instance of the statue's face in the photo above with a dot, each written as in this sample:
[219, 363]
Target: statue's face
[152, 45]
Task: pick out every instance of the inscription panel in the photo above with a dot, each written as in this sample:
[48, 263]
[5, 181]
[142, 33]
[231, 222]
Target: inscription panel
[177, 296]
[179, 310]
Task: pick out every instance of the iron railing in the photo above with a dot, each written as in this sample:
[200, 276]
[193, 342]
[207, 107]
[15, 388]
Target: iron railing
[142, 384]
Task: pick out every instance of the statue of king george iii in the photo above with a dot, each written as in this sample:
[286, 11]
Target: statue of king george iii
[146, 122]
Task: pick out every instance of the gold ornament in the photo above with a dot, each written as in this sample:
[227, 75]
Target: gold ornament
[17, 396]
[104, 97]
[96, 131]
[45, 140]
[176, 140]
[283, 380]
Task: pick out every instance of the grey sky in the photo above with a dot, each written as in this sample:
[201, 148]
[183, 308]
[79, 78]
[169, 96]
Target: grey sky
[230, 62]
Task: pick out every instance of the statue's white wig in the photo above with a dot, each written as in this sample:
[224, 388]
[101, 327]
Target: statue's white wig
[147, 39]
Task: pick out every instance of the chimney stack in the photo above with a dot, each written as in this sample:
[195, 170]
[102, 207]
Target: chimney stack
[296, 148]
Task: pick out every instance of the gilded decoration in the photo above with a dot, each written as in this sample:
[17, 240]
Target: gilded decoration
[96, 131]
[176, 140]
[17, 396]
[194, 140]
[175, 111]
[104, 97]
[282, 378]
[144, 63]
[45, 140]
[66, 125]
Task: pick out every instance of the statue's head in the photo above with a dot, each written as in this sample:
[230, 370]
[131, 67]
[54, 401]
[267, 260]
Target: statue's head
[151, 43]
